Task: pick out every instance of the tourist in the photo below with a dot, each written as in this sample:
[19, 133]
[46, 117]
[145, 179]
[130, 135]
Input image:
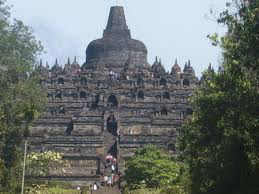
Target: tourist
[113, 179]
[110, 181]
[81, 191]
[116, 179]
[113, 167]
[118, 131]
[131, 131]
[105, 180]
[95, 186]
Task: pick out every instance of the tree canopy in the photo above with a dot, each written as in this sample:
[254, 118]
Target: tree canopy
[220, 140]
[153, 168]
[21, 96]
[46, 163]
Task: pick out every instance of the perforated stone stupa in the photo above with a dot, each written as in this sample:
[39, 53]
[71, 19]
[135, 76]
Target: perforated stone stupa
[113, 104]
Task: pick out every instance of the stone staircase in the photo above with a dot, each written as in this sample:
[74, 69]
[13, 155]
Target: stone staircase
[110, 145]
[109, 141]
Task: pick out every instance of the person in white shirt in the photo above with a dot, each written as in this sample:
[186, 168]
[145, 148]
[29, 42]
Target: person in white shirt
[105, 180]
[113, 167]
[95, 187]
[131, 131]
[110, 181]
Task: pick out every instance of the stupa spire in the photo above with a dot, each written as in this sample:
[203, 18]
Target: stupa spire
[160, 61]
[117, 24]
[40, 62]
[156, 61]
[56, 62]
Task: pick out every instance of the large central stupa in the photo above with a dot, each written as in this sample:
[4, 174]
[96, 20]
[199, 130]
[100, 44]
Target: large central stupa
[116, 45]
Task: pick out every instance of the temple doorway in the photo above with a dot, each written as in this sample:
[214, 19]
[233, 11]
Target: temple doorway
[112, 101]
[112, 125]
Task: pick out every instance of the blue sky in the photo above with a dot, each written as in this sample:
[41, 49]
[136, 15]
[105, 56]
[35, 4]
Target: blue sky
[169, 28]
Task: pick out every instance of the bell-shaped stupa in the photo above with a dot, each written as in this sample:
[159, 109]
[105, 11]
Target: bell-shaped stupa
[116, 45]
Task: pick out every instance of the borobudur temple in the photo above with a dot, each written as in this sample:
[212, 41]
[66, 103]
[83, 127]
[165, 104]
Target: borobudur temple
[113, 104]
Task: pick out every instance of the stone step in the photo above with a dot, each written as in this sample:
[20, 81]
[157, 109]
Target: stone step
[109, 140]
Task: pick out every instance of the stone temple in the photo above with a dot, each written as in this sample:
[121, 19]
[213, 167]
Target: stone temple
[113, 104]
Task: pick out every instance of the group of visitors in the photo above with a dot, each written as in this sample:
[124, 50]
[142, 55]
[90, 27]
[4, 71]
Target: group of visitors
[110, 176]
[113, 76]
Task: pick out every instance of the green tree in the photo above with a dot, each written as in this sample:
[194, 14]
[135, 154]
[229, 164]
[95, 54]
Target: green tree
[220, 140]
[21, 96]
[42, 164]
[42, 189]
[153, 168]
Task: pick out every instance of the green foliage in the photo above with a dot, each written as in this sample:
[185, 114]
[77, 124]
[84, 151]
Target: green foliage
[33, 185]
[169, 190]
[240, 45]
[20, 97]
[220, 140]
[49, 183]
[2, 169]
[144, 191]
[183, 184]
[176, 189]
[152, 168]
[42, 164]
[42, 189]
